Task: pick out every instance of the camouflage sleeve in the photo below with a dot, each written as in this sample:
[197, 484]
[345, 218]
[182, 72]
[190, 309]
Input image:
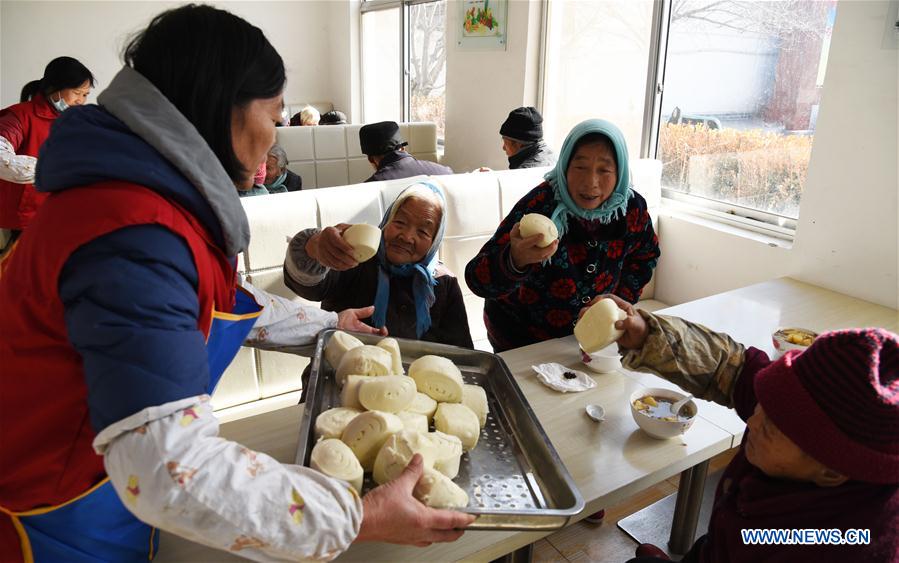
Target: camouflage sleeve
[693, 357]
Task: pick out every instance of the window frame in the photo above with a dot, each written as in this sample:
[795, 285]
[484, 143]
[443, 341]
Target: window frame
[764, 222]
[405, 38]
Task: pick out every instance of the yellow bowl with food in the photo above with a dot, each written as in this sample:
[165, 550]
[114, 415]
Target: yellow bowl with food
[793, 338]
[651, 409]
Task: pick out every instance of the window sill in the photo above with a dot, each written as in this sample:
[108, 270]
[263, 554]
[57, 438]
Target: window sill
[722, 222]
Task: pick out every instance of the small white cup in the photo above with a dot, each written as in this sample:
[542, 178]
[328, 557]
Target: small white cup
[365, 240]
[606, 360]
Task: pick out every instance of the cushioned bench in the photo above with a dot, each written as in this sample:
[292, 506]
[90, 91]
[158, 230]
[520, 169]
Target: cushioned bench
[476, 202]
[326, 156]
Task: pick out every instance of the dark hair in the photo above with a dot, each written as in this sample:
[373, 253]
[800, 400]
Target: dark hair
[207, 61]
[59, 74]
[595, 139]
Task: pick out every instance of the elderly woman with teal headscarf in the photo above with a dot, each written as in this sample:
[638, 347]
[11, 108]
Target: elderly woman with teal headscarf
[414, 295]
[606, 244]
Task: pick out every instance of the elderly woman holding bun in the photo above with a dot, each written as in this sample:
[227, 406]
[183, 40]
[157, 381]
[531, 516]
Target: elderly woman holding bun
[414, 295]
[533, 283]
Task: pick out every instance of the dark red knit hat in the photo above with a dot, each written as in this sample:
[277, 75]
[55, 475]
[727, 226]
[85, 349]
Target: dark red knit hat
[839, 401]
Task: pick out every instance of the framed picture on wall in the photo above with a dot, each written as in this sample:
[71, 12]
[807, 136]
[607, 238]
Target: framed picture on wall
[482, 26]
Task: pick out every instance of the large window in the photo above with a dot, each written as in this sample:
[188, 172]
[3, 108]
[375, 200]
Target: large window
[404, 61]
[596, 55]
[724, 92]
[741, 86]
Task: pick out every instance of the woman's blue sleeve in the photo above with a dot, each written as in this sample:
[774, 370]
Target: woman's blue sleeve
[131, 310]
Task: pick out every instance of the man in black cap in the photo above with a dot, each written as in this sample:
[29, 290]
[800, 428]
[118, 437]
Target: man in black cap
[522, 134]
[385, 149]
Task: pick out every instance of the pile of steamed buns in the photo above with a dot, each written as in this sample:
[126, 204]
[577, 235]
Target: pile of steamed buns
[386, 415]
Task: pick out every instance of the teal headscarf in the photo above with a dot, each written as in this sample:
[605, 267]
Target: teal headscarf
[612, 208]
[423, 272]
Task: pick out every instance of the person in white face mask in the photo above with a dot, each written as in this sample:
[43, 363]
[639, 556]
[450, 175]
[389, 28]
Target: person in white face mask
[23, 129]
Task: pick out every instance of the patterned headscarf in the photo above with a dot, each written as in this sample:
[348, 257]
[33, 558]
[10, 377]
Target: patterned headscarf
[423, 271]
[610, 209]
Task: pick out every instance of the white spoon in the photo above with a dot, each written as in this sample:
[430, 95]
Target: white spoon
[596, 412]
[675, 407]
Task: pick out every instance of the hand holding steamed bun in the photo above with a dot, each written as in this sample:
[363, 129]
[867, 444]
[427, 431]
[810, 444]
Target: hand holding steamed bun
[633, 327]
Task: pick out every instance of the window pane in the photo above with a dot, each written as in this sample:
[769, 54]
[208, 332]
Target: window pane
[427, 63]
[381, 71]
[596, 59]
[742, 85]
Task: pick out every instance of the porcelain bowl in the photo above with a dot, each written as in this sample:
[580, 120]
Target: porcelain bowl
[656, 427]
[785, 339]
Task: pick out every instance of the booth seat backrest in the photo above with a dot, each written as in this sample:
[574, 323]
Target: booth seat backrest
[296, 107]
[327, 156]
[475, 204]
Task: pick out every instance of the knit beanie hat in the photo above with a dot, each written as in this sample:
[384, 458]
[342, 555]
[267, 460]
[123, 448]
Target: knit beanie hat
[839, 401]
[523, 124]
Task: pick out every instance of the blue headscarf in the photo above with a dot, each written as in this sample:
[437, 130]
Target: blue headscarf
[423, 271]
[611, 208]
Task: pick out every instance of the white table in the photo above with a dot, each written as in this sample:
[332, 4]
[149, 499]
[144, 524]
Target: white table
[611, 461]
[750, 315]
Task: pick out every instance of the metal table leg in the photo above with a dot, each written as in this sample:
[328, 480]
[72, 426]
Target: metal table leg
[674, 519]
[686, 510]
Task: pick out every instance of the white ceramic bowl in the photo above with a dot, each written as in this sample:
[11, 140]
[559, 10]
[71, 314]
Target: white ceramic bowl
[781, 343]
[606, 360]
[656, 427]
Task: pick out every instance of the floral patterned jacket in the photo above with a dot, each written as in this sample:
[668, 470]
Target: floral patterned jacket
[543, 301]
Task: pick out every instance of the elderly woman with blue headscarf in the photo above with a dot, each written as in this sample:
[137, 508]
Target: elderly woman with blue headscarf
[414, 296]
[606, 244]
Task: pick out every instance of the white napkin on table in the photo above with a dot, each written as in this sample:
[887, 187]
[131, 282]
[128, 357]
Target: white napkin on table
[552, 375]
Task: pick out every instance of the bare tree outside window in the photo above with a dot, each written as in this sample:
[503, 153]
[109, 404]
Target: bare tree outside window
[427, 63]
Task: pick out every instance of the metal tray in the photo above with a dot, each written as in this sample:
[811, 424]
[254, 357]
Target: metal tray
[514, 477]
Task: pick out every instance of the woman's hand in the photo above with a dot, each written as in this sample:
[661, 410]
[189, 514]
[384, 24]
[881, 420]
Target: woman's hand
[351, 319]
[634, 326]
[391, 514]
[329, 248]
[524, 251]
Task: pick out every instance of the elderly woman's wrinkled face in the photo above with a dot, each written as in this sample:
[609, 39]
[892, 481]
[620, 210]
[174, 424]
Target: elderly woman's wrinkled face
[592, 175]
[272, 170]
[777, 455]
[253, 133]
[410, 234]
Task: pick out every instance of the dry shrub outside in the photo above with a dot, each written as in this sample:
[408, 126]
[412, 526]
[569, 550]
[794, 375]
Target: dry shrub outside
[430, 108]
[753, 168]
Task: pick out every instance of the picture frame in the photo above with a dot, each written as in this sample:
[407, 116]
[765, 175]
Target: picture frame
[482, 25]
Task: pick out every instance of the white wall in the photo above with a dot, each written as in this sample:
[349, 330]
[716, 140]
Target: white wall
[847, 234]
[482, 87]
[848, 220]
[343, 57]
[34, 32]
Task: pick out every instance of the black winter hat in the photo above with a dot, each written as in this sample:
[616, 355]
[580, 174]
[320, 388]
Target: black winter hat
[333, 117]
[523, 124]
[380, 138]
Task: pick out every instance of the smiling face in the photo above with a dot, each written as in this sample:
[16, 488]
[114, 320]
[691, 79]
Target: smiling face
[410, 234]
[73, 96]
[253, 133]
[592, 174]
